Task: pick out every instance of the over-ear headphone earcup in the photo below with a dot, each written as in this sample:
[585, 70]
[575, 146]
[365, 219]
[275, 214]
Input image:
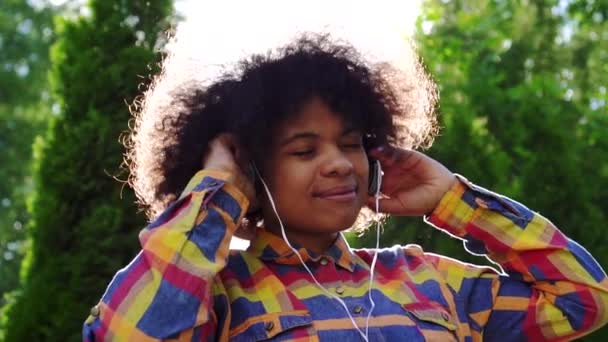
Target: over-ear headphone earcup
[375, 178]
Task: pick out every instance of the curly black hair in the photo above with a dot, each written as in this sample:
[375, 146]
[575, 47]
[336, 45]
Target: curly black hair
[178, 117]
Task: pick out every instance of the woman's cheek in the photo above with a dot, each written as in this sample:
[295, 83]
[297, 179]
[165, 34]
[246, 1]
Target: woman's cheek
[293, 178]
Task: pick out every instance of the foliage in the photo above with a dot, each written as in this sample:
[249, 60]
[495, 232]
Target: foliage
[82, 229]
[524, 112]
[25, 36]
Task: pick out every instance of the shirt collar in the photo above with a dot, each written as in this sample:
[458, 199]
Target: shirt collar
[270, 247]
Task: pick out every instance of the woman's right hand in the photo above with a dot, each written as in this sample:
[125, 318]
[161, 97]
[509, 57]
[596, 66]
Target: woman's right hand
[225, 155]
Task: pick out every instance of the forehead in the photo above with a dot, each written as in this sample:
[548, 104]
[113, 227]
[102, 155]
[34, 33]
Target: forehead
[315, 115]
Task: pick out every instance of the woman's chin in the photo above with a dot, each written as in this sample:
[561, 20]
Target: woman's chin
[340, 222]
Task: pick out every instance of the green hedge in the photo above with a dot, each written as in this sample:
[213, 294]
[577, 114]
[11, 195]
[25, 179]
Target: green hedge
[83, 225]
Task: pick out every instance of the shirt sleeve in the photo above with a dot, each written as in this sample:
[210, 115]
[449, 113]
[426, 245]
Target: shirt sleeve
[550, 287]
[167, 291]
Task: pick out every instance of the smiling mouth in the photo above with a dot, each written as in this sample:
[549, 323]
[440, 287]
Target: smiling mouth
[345, 194]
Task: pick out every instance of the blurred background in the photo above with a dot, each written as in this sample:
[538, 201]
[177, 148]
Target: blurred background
[523, 111]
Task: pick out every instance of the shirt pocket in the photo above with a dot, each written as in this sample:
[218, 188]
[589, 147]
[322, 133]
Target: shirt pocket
[278, 326]
[433, 320]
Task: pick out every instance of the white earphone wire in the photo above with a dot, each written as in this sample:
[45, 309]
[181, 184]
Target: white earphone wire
[375, 258]
[365, 335]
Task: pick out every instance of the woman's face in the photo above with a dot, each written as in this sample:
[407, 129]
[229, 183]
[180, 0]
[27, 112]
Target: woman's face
[317, 173]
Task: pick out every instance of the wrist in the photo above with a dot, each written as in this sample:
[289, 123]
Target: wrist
[237, 179]
[448, 181]
[450, 214]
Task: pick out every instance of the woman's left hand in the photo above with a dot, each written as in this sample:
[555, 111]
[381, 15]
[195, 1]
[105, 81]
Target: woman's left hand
[412, 182]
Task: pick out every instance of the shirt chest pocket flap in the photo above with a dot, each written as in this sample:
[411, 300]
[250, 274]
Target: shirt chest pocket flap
[432, 316]
[274, 326]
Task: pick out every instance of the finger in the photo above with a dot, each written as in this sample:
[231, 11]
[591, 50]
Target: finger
[220, 143]
[221, 153]
[385, 205]
[228, 141]
[406, 159]
[397, 206]
[385, 154]
[239, 154]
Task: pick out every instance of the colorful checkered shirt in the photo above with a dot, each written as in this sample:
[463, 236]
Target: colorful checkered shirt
[186, 285]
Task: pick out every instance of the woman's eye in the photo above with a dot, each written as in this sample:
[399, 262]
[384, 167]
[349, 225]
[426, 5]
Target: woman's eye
[302, 153]
[354, 145]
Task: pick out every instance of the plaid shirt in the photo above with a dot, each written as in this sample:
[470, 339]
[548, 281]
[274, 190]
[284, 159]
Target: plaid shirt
[186, 285]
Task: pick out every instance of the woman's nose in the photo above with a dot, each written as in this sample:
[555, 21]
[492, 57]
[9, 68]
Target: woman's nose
[337, 165]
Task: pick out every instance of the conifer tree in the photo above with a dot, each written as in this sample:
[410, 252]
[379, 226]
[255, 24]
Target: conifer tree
[83, 223]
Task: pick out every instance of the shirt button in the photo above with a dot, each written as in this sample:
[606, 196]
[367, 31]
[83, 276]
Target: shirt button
[357, 309]
[95, 311]
[339, 290]
[323, 261]
[269, 326]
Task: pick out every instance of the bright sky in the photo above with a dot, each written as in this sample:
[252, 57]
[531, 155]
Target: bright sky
[357, 16]
[220, 32]
[227, 30]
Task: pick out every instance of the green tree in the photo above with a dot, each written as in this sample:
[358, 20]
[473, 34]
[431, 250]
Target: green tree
[82, 224]
[523, 111]
[25, 36]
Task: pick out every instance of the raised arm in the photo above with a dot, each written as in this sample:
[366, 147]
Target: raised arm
[167, 291]
[552, 288]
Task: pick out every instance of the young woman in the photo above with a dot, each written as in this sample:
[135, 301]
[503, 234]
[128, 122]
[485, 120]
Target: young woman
[281, 150]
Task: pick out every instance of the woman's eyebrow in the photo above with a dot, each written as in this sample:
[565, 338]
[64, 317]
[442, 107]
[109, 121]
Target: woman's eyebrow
[300, 135]
[351, 130]
[312, 135]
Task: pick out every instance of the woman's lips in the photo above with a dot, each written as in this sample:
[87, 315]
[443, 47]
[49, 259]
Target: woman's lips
[339, 194]
[345, 197]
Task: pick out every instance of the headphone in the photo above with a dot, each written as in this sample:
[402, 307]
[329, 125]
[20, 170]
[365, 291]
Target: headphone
[375, 178]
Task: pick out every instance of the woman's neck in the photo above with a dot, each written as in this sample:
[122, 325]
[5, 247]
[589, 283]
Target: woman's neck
[312, 241]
